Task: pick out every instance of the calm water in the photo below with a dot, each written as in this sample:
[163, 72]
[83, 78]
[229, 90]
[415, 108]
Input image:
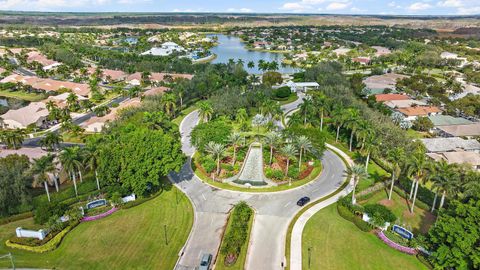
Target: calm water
[231, 47]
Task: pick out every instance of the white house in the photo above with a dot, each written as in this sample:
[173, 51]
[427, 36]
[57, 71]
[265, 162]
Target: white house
[165, 49]
[454, 56]
[300, 86]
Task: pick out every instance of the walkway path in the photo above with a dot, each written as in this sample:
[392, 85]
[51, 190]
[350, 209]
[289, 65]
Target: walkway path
[274, 211]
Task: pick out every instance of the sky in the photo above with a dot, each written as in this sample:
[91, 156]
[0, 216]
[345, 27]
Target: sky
[381, 7]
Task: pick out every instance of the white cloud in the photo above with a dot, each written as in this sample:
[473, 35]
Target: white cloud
[469, 10]
[296, 6]
[419, 6]
[337, 6]
[47, 5]
[450, 3]
[355, 9]
[244, 10]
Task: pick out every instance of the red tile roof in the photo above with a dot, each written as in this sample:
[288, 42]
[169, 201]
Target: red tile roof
[419, 110]
[390, 97]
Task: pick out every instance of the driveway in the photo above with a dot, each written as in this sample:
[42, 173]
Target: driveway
[273, 210]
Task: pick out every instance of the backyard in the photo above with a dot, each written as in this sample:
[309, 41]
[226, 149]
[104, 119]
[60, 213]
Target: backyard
[126, 239]
[336, 243]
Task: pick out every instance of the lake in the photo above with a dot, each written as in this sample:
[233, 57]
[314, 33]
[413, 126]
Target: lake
[231, 47]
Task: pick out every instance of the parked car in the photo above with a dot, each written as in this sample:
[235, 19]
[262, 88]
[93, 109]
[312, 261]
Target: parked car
[205, 262]
[303, 201]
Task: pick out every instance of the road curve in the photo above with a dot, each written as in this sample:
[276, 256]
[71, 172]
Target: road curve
[273, 211]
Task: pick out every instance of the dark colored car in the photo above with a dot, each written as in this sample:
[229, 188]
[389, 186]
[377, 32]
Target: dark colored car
[205, 262]
[303, 201]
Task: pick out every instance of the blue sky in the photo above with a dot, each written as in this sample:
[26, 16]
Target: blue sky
[397, 7]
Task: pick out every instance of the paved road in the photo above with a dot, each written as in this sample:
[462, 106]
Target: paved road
[273, 210]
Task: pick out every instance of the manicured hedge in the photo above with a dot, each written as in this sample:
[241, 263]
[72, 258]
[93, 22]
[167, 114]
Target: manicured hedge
[235, 238]
[348, 215]
[16, 217]
[49, 246]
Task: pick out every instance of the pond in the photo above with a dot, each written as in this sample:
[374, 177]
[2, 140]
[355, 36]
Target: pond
[231, 47]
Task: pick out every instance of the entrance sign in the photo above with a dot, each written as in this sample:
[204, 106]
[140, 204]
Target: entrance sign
[403, 232]
[97, 203]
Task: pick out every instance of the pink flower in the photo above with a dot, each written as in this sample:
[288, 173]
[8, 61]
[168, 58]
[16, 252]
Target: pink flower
[396, 246]
[100, 216]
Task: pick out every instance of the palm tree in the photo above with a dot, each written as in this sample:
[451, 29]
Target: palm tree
[320, 102]
[51, 141]
[271, 109]
[205, 111]
[251, 64]
[445, 178]
[340, 116]
[41, 168]
[370, 146]
[217, 150]
[236, 140]
[72, 102]
[306, 108]
[14, 138]
[352, 124]
[417, 168]
[90, 158]
[169, 102]
[290, 152]
[357, 172]
[70, 163]
[304, 144]
[272, 139]
[396, 157]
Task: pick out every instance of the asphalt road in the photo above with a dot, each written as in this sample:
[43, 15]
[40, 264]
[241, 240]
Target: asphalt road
[273, 211]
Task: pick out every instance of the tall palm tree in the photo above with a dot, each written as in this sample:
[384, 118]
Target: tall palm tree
[40, 170]
[340, 116]
[272, 139]
[217, 150]
[70, 163]
[370, 146]
[396, 157]
[169, 101]
[306, 108]
[14, 138]
[90, 158]
[417, 168]
[304, 144]
[205, 111]
[445, 179]
[352, 123]
[271, 109]
[357, 172]
[235, 140]
[290, 152]
[320, 102]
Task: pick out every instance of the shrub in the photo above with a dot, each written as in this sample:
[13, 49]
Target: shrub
[379, 214]
[43, 212]
[214, 131]
[49, 246]
[208, 164]
[274, 174]
[237, 233]
[283, 92]
[293, 172]
[227, 167]
[16, 217]
[362, 225]
[423, 194]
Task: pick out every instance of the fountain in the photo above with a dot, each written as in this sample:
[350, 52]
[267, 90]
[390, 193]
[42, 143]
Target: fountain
[251, 173]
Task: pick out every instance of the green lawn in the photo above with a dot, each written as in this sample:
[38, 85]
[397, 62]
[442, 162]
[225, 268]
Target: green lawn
[338, 244]
[420, 221]
[22, 95]
[290, 99]
[128, 239]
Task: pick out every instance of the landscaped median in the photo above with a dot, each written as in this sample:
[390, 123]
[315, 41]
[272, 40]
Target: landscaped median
[233, 250]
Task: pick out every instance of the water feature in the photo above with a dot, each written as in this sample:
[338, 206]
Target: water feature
[231, 47]
[252, 170]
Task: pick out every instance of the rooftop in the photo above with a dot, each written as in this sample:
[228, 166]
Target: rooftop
[471, 158]
[450, 144]
[404, 103]
[419, 110]
[388, 80]
[31, 153]
[389, 97]
[462, 130]
[447, 120]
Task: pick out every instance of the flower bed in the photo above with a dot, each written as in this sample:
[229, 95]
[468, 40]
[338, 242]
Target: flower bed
[100, 216]
[407, 250]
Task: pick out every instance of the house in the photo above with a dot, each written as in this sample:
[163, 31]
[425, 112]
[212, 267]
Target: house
[299, 86]
[470, 158]
[31, 152]
[447, 120]
[381, 51]
[362, 60]
[35, 56]
[390, 97]
[453, 144]
[35, 113]
[453, 56]
[61, 100]
[155, 91]
[48, 85]
[341, 51]
[469, 130]
[136, 78]
[396, 104]
[411, 113]
[109, 75]
[96, 123]
[378, 83]
[165, 49]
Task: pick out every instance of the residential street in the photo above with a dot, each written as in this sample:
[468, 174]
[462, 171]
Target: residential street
[273, 210]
